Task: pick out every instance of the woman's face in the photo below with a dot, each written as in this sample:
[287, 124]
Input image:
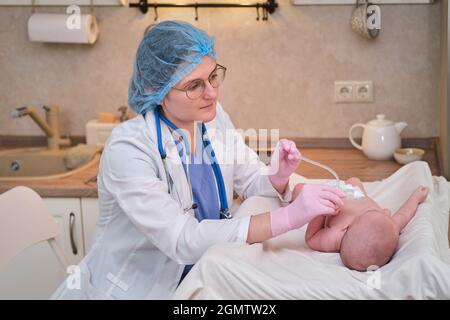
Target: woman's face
[182, 110]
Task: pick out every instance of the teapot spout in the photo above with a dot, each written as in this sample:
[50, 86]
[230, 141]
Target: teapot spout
[399, 126]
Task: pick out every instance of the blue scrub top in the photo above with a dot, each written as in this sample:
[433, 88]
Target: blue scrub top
[204, 187]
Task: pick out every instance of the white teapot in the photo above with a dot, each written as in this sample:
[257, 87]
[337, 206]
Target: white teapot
[380, 138]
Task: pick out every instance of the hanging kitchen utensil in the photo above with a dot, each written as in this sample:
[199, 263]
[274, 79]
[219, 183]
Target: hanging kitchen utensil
[366, 19]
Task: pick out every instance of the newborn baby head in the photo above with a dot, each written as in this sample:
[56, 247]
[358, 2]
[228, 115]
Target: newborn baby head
[370, 240]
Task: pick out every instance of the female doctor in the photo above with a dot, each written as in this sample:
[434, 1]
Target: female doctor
[159, 212]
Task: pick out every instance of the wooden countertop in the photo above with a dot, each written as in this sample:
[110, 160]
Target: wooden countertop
[76, 186]
[345, 161]
[352, 163]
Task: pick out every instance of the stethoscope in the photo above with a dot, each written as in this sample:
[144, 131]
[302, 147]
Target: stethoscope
[224, 211]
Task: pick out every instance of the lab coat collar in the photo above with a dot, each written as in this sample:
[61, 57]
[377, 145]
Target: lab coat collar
[174, 164]
[167, 140]
[217, 138]
[169, 144]
[173, 161]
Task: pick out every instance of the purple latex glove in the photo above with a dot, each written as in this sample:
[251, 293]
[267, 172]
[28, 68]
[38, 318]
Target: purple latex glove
[283, 162]
[312, 201]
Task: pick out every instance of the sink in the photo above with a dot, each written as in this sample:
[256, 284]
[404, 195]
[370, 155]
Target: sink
[38, 164]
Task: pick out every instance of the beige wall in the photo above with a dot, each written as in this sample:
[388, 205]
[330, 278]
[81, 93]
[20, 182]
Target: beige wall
[444, 86]
[281, 72]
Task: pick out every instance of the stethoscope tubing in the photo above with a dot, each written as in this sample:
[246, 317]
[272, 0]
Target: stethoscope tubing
[224, 211]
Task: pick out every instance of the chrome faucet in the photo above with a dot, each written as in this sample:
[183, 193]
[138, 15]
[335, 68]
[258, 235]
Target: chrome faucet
[50, 127]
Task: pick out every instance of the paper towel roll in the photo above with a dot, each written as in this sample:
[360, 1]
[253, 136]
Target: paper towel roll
[50, 27]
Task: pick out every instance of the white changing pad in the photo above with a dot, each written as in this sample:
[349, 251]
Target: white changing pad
[285, 268]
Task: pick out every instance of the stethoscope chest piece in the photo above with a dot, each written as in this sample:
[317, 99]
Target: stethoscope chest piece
[226, 213]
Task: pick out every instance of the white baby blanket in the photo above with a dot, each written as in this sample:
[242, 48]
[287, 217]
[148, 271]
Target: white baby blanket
[285, 268]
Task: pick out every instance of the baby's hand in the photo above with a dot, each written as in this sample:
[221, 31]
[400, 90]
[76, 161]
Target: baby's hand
[421, 193]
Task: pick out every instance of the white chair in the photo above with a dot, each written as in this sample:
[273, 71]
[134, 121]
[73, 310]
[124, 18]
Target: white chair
[25, 221]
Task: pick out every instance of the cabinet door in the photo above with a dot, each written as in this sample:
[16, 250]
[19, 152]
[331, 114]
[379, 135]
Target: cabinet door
[89, 210]
[35, 273]
[67, 213]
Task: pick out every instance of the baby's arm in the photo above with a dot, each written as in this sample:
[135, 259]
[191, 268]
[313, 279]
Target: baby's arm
[322, 239]
[408, 209]
[314, 226]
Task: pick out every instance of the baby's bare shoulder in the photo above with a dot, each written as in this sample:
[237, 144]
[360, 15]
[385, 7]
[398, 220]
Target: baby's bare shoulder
[352, 209]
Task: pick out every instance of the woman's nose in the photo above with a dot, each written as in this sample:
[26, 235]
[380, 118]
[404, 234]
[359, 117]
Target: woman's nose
[210, 92]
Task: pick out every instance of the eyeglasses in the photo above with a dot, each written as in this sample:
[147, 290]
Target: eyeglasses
[194, 89]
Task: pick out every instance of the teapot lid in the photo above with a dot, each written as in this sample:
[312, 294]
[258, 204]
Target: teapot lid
[380, 121]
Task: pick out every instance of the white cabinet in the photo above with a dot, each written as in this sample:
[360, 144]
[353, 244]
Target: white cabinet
[35, 273]
[89, 209]
[67, 213]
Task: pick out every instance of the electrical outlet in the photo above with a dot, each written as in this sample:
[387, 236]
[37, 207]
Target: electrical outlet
[363, 91]
[343, 91]
[353, 91]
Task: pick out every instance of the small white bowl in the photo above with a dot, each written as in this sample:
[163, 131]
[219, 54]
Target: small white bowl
[407, 155]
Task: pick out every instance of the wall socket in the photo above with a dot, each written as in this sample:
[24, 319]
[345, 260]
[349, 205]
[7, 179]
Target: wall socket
[353, 91]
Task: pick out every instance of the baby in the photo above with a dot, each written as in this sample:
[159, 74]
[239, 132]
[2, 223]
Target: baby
[362, 232]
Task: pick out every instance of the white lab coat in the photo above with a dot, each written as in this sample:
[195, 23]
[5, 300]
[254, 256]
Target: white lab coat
[144, 238]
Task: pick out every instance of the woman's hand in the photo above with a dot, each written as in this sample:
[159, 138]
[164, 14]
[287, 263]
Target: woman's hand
[310, 201]
[316, 200]
[283, 163]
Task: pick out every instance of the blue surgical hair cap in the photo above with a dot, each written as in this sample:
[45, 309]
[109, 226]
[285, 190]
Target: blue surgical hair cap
[168, 52]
